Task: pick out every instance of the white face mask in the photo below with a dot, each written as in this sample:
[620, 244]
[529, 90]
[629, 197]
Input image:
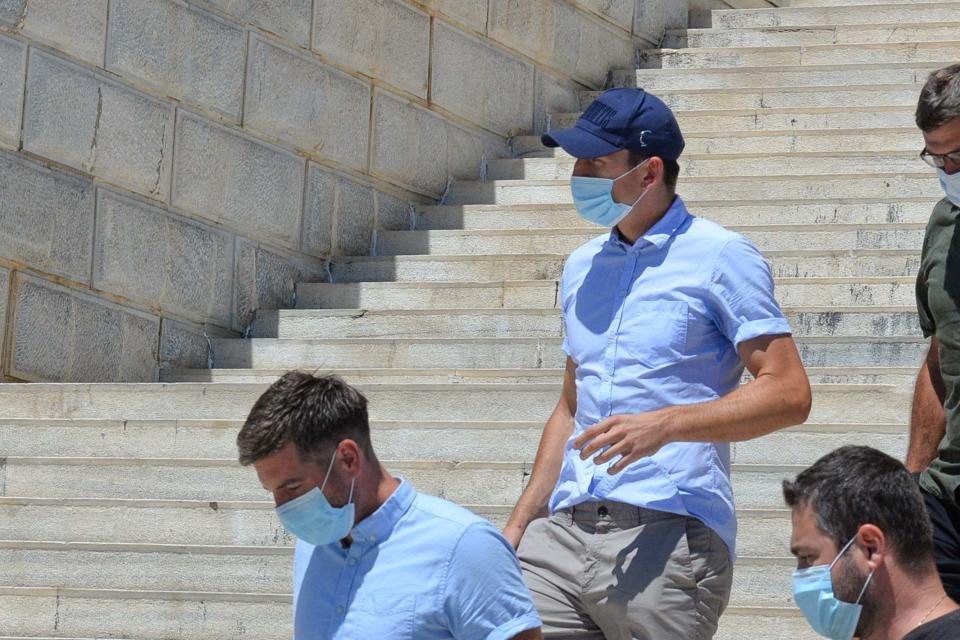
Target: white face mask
[951, 186]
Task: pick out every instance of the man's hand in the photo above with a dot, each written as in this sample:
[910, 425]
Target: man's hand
[629, 436]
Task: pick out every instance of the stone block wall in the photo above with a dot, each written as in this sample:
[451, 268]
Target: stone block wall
[168, 167]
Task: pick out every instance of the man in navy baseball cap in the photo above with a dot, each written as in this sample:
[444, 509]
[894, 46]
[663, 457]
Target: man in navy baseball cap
[662, 313]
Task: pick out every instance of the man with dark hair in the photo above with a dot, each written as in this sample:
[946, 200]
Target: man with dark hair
[864, 551]
[374, 558]
[661, 312]
[935, 420]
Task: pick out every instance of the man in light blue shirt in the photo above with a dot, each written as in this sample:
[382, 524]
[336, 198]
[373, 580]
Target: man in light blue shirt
[661, 315]
[374, 558]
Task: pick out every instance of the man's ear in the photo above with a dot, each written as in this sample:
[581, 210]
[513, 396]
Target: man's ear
[873, 545]
[351, 457]
[653, 172]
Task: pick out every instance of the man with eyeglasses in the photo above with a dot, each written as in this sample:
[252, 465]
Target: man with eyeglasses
[934, 453]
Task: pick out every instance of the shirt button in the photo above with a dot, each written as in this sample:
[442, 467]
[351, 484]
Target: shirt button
[373, 538]
[352, 561]
[340, 610]
[602, 511]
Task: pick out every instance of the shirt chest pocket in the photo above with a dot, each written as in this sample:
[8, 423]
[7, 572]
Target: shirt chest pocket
[653, 333]
[382, 614]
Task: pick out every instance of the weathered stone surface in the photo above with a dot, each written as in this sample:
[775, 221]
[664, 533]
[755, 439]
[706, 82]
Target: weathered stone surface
[619, 12]
[470, 13]
[225, 176]
[78, 27]
[339, 215]
[181, 51]
[63, 335]
[12, 69]
[418, 149]
[163, 260]
[386, 39]
[315, 107]
[184, 345]
[394, 214]
[552, 96]
[289, 19]
[560, 36]
[480, 82]
[265, 280]
[4, 296]
[654, 17]
[97, 126]
[11, 11]
[46, 218]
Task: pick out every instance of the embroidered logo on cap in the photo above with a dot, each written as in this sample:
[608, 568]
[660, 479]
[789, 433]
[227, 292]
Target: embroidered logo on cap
[599, 114]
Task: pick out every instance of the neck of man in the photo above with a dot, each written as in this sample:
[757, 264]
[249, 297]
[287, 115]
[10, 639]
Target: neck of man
[373, 489]
[647, 213]
[908, 602]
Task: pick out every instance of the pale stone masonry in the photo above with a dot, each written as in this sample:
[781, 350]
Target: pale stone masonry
[168, 167]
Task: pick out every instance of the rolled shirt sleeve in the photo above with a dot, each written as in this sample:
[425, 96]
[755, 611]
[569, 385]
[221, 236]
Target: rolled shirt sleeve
[484, 594]
[741, 294]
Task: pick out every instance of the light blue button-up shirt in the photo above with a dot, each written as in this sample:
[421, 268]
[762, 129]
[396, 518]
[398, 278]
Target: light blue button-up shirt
[656, 324]
[419, 567]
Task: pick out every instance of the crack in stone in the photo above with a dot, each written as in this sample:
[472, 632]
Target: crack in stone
[23, 16]
[91, 160]
[163, 138]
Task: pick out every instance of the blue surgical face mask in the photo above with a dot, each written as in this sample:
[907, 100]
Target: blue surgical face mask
[951, 186]
[312, 519]
[593, 198]
[813, 593]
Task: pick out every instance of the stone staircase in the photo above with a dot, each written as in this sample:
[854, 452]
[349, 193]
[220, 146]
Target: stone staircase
[123, 513]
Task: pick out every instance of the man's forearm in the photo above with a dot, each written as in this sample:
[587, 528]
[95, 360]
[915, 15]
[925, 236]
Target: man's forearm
[928, 421]
[757, 408]
[546, 470]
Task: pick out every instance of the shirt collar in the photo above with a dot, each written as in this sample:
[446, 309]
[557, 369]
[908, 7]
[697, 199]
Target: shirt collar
[377, 526]
[660, 233]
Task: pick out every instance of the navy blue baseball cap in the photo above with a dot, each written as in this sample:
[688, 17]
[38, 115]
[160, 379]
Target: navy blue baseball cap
[621, 119]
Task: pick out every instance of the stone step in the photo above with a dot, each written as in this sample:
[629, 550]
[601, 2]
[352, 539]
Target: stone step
[48, 612]
[786, 264]
[886, 404]
[914, 185]
[794, 77]
[768, 238]
[720, 122]
[873, 14]
[898, 53]
[699, 165]
[254, 524]
[150, 614]
[255, 570]
[462, 441]
[539, 323]
[819, 292]
[505, 353]
[840, 3]
[738, 145]
[897, 376]
[564, 216]
[831, 97]
[756, 486]
[909, 31]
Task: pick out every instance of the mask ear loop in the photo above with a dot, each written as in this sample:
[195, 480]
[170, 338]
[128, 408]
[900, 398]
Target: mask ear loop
[869, 577]
[329, 470]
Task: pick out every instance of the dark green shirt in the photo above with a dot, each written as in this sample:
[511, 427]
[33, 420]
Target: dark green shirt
[938, 302]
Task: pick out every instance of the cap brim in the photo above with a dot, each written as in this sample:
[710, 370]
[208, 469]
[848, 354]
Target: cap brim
[578, 143]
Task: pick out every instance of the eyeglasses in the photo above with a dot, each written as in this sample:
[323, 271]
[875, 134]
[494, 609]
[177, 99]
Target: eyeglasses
[939, 162]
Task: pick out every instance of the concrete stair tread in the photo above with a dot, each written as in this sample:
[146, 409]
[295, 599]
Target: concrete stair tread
[879, 13]
[766, 57]
[868, 32]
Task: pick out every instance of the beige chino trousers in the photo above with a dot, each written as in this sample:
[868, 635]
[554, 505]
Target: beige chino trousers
[611, 571]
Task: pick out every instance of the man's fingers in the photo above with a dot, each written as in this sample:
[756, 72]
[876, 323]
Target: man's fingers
[607, 439]
[616, 450]
[622, 463]
[601, 427]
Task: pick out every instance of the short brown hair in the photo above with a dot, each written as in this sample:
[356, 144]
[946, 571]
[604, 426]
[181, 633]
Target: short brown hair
[939, 98]
[313, 412]
[671, 169]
